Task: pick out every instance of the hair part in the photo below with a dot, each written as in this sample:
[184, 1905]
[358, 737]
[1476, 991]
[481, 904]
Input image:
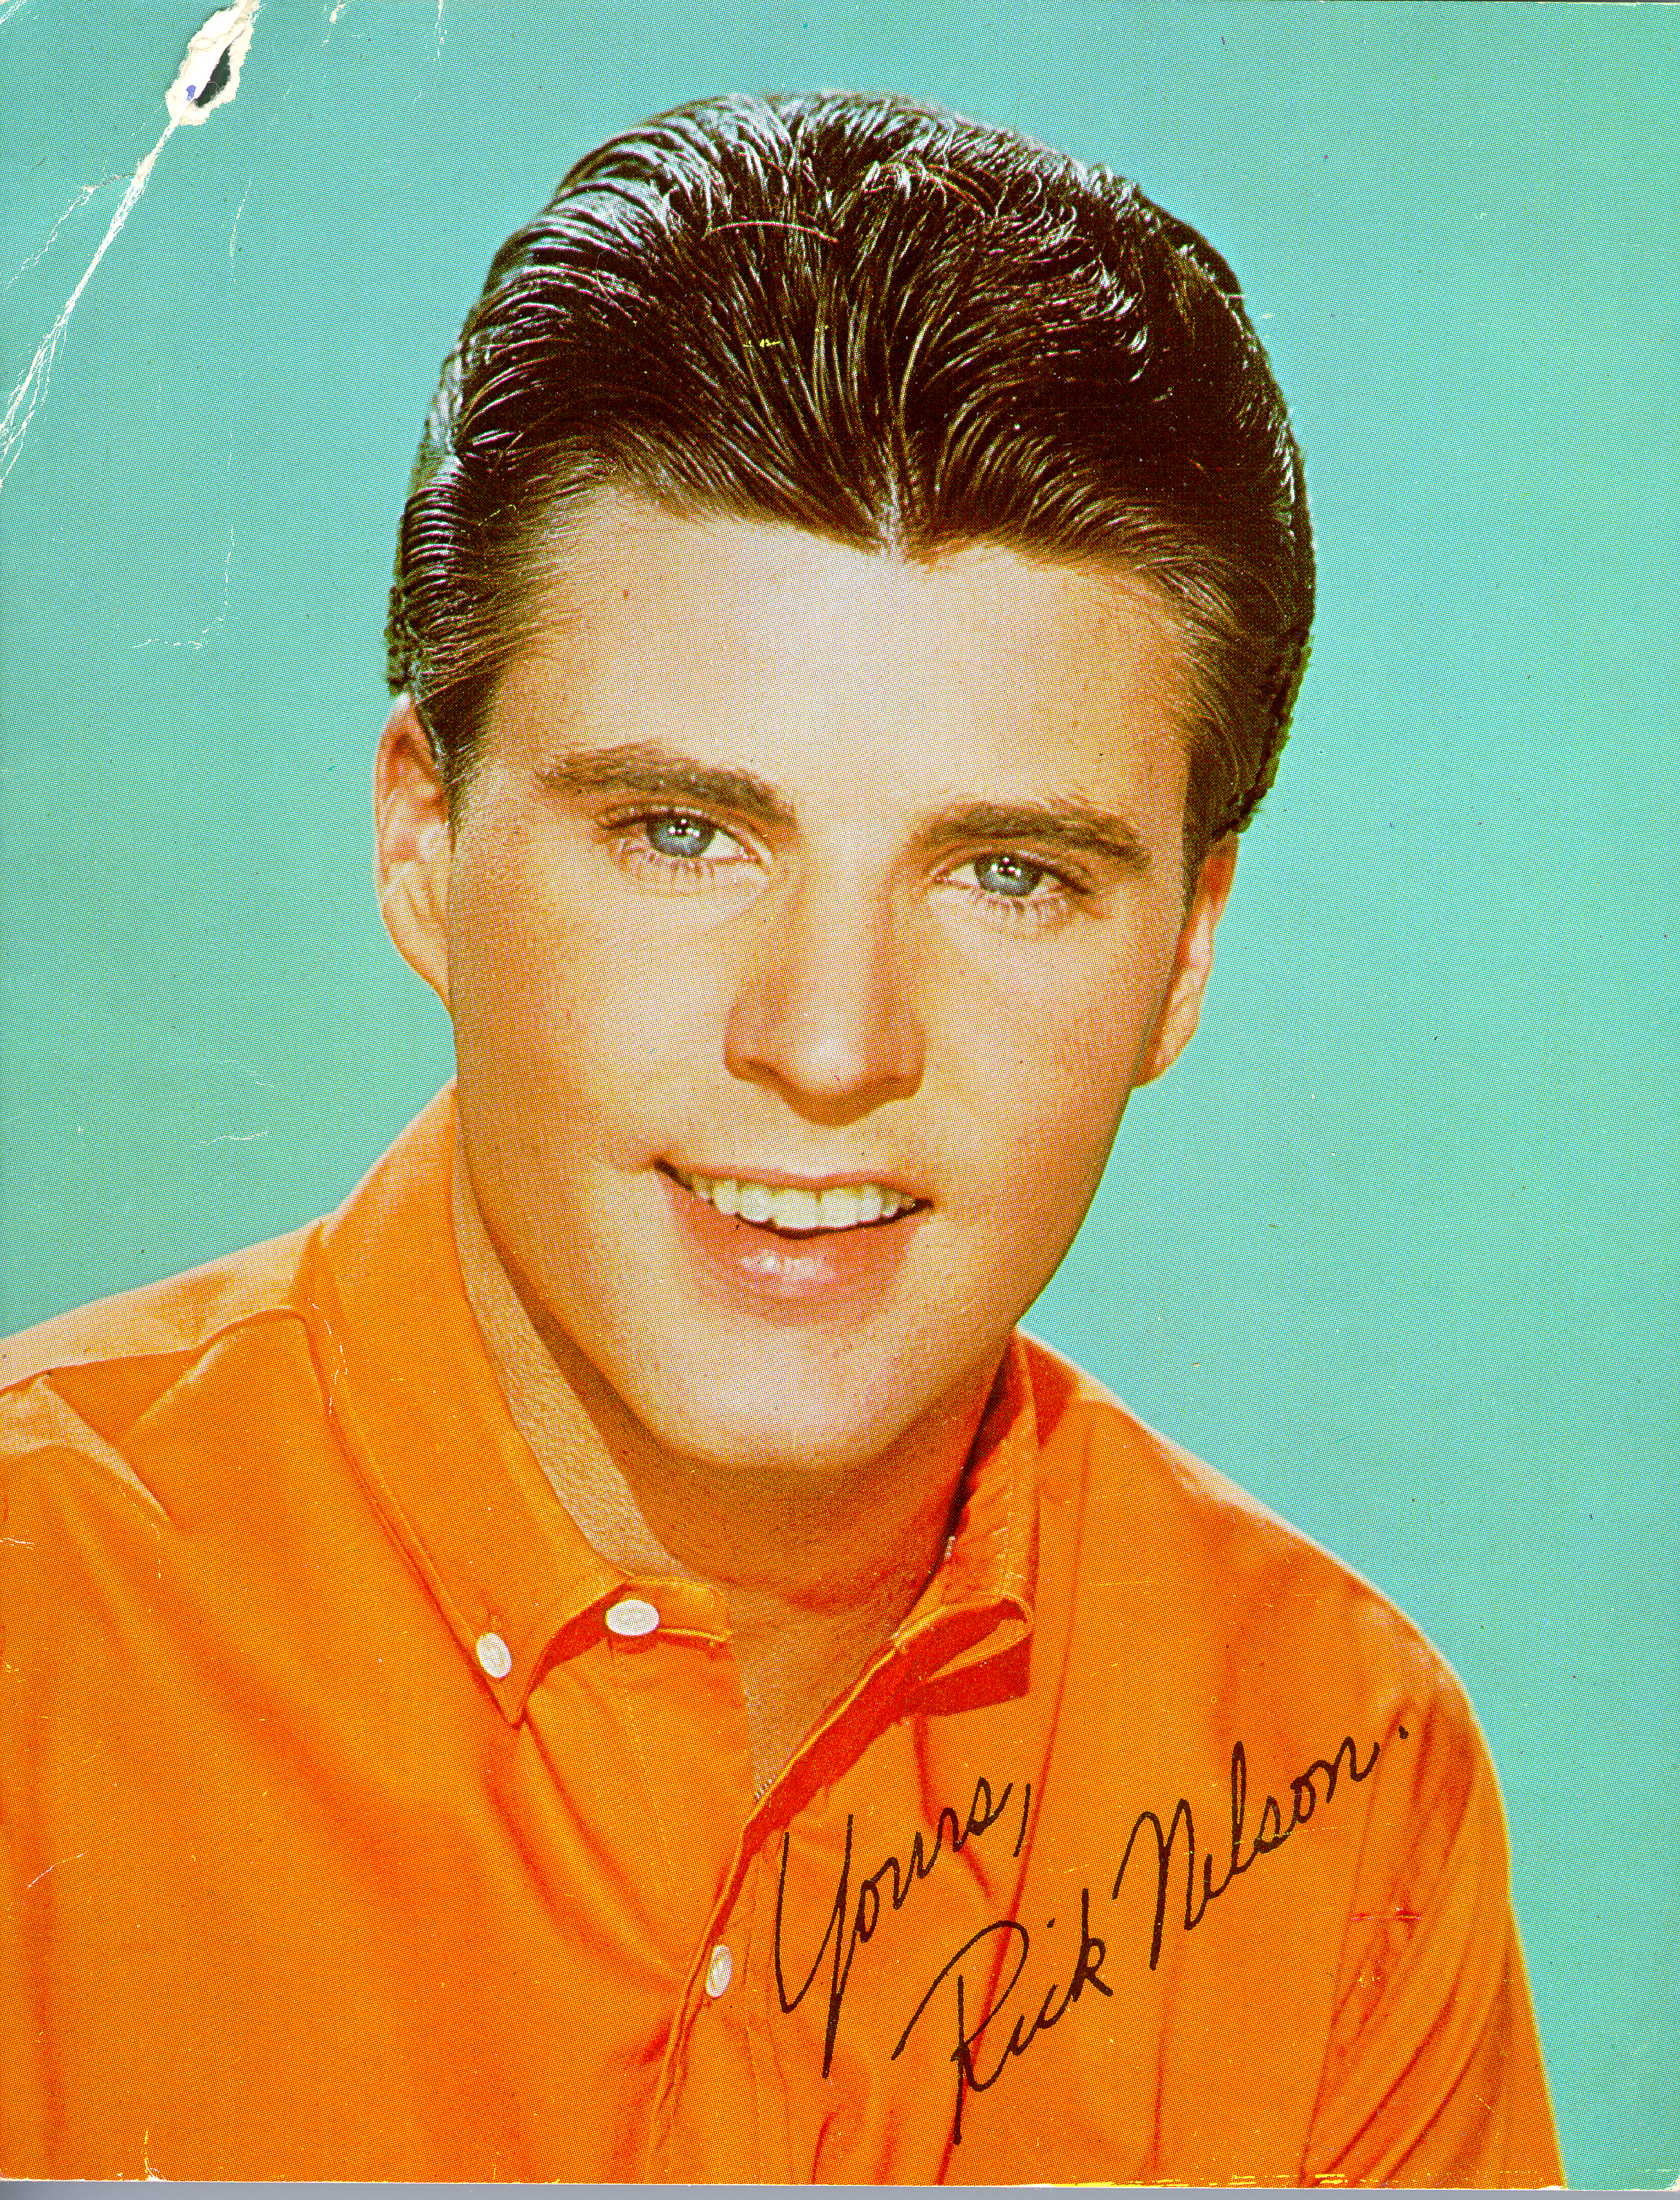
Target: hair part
[890, 327]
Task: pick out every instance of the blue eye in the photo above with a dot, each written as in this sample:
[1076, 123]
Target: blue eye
[1012, 876]
[677, 834]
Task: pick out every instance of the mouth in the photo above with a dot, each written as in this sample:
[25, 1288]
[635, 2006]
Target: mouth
[793, 1210]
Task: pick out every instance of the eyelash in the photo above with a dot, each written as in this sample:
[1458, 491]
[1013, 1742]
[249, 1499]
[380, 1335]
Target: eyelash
[632, 846]
[1053, 894]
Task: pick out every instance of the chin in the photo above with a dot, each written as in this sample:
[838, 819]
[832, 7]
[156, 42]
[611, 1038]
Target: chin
[769, 1423]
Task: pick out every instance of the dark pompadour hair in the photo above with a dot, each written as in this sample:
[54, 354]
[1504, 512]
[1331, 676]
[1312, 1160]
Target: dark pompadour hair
[870, 319]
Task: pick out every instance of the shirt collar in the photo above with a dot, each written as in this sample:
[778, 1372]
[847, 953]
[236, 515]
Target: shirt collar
[979, 1600]
[415, 1402]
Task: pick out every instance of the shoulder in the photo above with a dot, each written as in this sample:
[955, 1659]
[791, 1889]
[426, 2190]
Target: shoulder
[162, 1321]
[77, 1391]
[1251, 1614]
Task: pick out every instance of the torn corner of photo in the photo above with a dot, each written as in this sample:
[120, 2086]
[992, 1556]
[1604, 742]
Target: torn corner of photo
[209, 75]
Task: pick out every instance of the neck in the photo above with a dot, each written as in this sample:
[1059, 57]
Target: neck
[818, 1568]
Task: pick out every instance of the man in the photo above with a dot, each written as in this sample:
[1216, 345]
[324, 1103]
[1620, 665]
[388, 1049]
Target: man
[610, 1657]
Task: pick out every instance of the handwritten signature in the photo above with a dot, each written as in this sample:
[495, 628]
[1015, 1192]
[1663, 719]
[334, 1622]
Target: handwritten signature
[865, 1913]
[1005, 1940]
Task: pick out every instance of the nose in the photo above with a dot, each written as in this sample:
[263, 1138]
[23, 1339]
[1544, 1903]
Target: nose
[824, 1011]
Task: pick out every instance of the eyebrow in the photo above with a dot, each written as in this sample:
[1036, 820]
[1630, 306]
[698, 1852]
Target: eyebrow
[1068, 827]
[654, 774]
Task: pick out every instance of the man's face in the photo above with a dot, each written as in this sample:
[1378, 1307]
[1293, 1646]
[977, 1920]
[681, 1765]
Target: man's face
[810, 916]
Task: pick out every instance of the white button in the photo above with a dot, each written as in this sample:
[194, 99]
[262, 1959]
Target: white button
[633, 1616]
[719, 1971]
[495, 1657]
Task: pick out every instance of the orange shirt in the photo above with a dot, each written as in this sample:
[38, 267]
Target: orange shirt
[360, 1822]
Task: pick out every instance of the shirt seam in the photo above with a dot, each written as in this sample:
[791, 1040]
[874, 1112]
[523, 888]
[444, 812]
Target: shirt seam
[188, 1355]
[1419, 1836]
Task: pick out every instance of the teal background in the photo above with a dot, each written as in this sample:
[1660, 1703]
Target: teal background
[1396, 1244]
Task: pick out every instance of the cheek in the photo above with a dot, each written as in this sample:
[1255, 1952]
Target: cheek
[1064, 1140]
[569, 1027]
[1051, 1080]
[520, 1005]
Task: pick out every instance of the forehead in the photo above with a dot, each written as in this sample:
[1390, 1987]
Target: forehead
[789, 650]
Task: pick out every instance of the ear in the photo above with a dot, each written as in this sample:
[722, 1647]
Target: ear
[414, 847]
[1192, 961]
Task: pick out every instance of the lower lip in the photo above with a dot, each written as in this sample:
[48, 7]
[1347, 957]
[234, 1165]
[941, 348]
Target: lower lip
[829, 1271]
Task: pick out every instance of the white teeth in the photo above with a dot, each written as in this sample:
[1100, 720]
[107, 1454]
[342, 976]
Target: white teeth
[794, 1209]
[791, 1207]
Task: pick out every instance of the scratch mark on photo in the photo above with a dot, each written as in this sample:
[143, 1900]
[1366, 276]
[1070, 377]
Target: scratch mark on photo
[197, 641]
[207, 79]
[233, 233]
[27, 397]
[53, 1866]
[227, 1062]
[86, 192]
